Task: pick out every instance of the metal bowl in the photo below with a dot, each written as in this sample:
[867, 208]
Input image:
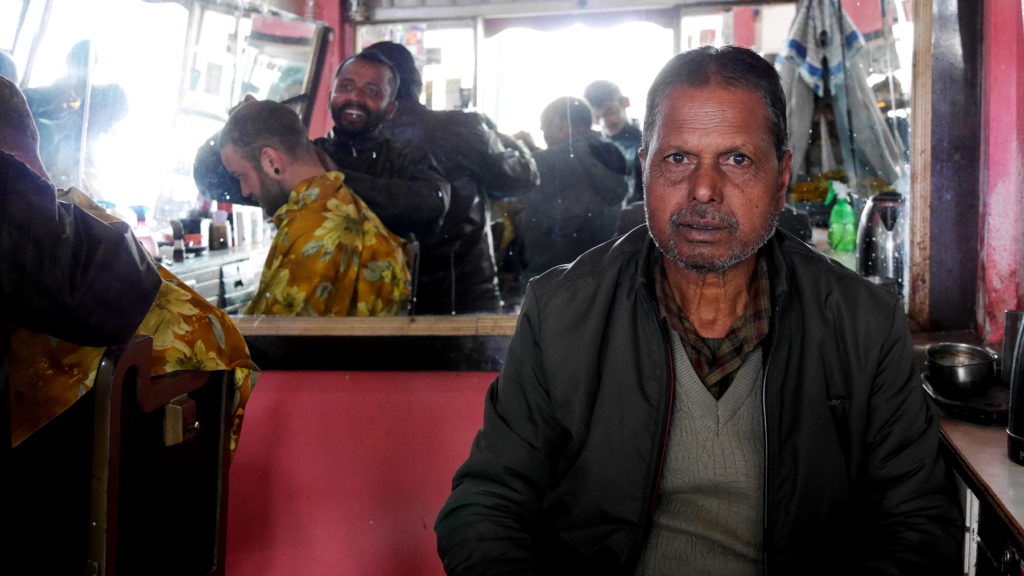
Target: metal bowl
[960, 370]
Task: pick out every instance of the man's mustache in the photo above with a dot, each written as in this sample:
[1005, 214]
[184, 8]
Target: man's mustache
[703, 215]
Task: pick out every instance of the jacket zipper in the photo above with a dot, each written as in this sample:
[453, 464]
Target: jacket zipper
[667, 416]
[668, 425]
[764, 415]
[764, 479]
[641, 542]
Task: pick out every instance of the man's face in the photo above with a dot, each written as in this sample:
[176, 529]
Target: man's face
[712, 182]
[270, 193]
[361, 99]
[612, 116]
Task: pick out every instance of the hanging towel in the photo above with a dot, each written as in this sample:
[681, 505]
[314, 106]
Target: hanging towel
[812, 44]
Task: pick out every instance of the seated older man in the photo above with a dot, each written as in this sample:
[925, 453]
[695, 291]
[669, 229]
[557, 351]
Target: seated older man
[331, 256]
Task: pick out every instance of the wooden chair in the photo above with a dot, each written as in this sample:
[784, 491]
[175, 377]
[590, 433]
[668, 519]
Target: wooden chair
[130, 479]
[160, 468]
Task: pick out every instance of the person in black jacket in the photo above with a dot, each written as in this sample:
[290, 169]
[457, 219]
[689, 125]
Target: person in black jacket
[706, 395]
[401, 184]
[457, 269]
[609, 107]
[62, 271]
[581, 191]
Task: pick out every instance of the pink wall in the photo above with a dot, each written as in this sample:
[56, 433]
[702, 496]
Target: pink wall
[743, 25]
[345, 472]
[866, 14]
[1001, 230]
[330, 12]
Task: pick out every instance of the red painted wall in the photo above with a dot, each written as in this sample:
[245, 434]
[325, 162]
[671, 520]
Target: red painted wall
[340, 49]
[743, 25]
[1001, 230]
[345, 472]
[866, 14]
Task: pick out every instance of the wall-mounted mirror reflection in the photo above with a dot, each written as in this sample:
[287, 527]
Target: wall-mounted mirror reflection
[531, 124]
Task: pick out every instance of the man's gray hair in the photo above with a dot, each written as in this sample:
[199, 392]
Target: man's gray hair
[735, 67]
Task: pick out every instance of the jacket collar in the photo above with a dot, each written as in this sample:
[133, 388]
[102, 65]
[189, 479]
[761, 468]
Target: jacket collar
[778, 270]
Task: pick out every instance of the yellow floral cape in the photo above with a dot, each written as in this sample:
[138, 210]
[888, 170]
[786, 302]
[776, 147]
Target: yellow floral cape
[332, 256]
[48, 375]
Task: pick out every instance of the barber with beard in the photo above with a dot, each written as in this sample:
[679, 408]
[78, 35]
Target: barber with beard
[401, 184]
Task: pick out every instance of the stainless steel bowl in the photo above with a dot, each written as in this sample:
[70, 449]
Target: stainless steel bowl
[960, 370]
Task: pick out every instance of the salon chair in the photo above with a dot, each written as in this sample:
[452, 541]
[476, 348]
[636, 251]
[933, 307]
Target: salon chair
[160, 468]
[130, 479]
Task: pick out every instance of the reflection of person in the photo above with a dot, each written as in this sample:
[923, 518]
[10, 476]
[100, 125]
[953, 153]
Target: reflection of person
[457, 270]
[59, 112]
[331, 255]
[48, 374]
[577, 204]
[62, 271]
[705, 396]
[610, 109]
[401, 184]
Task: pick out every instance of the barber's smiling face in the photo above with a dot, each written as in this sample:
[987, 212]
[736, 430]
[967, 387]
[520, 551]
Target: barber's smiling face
[713, 184]
[361, 99]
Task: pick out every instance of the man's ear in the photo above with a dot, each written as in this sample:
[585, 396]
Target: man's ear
[272, 162]
[625, 101]
[389, 111]
[784, 168]
[642, 154]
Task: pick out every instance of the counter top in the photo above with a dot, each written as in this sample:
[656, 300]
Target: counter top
[980, 457]
[207, 259]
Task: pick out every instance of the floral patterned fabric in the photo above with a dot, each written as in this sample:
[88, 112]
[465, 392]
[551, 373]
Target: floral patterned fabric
[48, 375]
[332, 256]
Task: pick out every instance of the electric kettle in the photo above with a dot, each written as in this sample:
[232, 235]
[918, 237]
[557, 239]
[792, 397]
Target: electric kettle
[882, 238]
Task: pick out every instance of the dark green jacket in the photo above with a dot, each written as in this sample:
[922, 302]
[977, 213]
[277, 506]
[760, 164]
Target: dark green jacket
[563, 476]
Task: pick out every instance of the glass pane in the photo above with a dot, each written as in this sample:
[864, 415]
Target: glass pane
[848, 104]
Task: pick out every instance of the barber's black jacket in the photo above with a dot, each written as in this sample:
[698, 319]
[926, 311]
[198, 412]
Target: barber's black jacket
[457, 269]
[563, 476]
[401, 184]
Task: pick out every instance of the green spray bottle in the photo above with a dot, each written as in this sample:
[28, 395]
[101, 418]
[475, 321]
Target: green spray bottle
[842, 230]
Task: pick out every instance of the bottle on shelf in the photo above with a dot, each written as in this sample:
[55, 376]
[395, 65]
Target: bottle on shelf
[219, 231]
[842, 230]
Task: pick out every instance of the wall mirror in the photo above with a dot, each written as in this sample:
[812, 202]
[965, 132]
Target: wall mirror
[180, 66]
[159, 86]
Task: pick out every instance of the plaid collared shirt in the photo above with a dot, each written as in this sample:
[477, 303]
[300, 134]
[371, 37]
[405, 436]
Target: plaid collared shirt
[716, 368]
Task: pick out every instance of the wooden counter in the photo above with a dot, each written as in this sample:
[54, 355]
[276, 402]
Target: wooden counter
[464, 342]
[978, 455]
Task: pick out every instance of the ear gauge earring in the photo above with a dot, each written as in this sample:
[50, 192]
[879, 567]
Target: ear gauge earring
[277, 170]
